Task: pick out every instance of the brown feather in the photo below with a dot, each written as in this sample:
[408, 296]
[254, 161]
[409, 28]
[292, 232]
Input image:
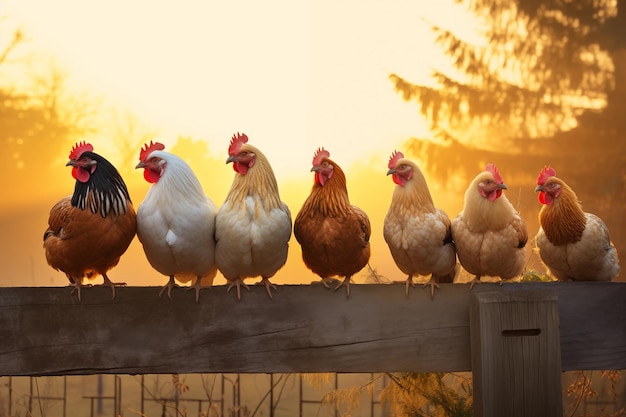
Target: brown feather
[81, 243]
[334, 235]
[564, 220]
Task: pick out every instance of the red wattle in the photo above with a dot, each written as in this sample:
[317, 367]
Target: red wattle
[240, 168]
[80, 174]
[545, 198]
[151, 176]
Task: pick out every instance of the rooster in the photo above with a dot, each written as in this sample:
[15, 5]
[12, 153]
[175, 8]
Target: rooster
[334, 234]
[90, 230]
[489, 234]
[176, 220]
[253, 226]
[573, 245]
[417, 233]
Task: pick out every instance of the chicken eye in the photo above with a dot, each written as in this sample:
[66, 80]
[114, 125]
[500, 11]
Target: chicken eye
[154, 159]
[244, 153]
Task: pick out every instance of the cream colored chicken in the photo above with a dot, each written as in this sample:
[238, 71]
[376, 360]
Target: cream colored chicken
[489, 234]
[417, 233]
[573, 245]
[253, 226]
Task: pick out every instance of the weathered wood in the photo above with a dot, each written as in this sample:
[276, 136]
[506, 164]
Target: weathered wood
[516, 357]
[307, 328]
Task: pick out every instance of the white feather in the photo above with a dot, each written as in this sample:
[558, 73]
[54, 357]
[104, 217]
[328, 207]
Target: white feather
[176, 223]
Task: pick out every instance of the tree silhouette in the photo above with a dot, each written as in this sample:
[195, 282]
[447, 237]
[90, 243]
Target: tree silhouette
[546, 87]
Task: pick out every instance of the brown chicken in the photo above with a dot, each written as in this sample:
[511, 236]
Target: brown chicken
[573, 245]
[489, 234]
[334, 234]
[90, 230]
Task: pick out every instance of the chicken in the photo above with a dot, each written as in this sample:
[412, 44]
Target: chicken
[253, 226]
[572, 244]
[90, 230]
[417, 233]
[489, 234]
[176, 221]
[334, 234]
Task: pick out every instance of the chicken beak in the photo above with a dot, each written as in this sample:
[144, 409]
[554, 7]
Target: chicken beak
[231, 158]
[503, 186]
[140, 165]
[391, 171]
[539, 188]
[315, 169]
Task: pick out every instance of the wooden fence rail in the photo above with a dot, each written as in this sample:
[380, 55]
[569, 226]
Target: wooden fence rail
[304, 328]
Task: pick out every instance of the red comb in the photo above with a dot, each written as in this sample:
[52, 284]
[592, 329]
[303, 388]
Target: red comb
[395, 156]
[79, 148]
[546, 173]
[320, 154]
[237, 142]
[147, 149]
[494, 171]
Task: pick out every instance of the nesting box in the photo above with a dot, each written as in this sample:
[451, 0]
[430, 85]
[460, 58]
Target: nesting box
[515, 353]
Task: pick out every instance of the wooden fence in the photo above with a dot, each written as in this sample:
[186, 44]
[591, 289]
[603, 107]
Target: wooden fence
[516, 338]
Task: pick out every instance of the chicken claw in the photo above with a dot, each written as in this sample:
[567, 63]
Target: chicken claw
[268, 286]
[170, 284]
[433, 284]
[238, 282]
[326, 281]
[107, 282]
[196, 286]
[476, 280]
[77, 285]
[344, 283]
[409, 281]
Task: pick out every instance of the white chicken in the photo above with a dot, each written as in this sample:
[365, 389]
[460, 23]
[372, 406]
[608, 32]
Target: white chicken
[489, 234]
[176, 221]
[417, 233]
[253, 226]
[574, 245]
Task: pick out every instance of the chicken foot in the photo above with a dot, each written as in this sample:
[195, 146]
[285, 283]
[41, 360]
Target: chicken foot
[433, 282]
[268, 286]
[77, 285]
[409, 282]
[196, 286]
[170, 284]
[237, 282]
[476, 280]
[344, 283]
[107, 282]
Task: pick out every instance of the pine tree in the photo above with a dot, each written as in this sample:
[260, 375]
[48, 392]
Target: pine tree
[546, 87]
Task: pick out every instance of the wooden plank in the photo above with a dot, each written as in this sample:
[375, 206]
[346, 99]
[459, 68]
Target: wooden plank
[46, 331]
[304, 328]
[516, 357]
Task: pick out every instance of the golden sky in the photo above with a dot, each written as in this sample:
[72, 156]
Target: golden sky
[285, 72]
[292, 75]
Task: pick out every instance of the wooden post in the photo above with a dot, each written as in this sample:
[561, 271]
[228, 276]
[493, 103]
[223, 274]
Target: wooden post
[515, 353]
